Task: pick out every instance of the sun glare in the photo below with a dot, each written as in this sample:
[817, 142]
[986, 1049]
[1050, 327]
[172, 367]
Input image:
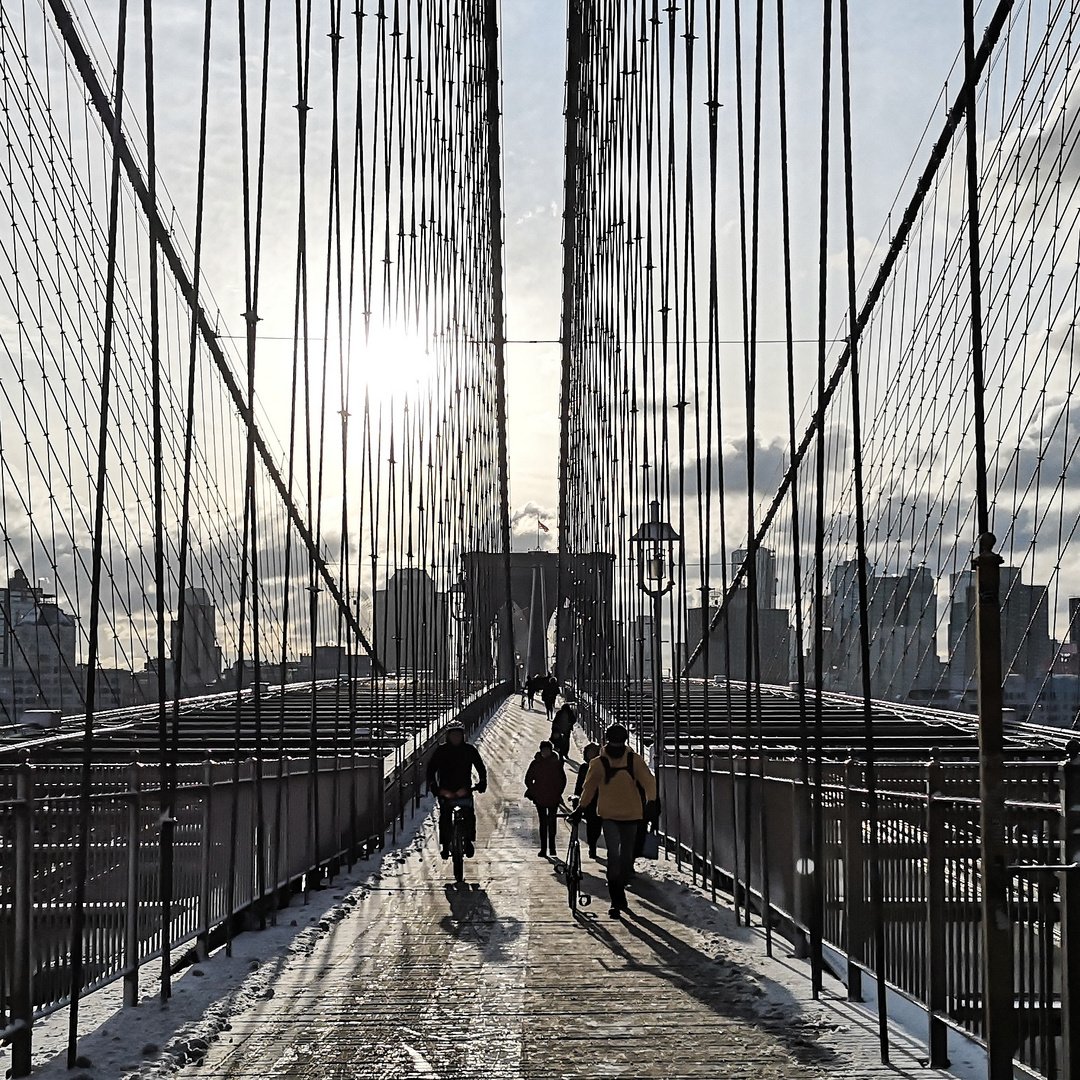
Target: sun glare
[391, 364]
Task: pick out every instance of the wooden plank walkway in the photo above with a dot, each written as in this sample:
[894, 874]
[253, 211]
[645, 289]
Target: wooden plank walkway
[494, 979]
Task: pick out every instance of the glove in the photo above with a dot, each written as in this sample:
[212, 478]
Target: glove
[481, 787]
[574, 817]
[652, 811]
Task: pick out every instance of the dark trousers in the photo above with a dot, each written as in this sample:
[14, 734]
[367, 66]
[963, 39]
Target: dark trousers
[593, 827]
[620, 837]
[445, 813]
[549, 817]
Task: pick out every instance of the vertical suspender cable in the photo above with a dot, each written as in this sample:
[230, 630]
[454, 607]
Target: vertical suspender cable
[803, 841]
[817, 845]
[179, 643]
[507, 648]
[861, 555]
[78, 917]
[997, 935]
[569, 302]
[166, 770]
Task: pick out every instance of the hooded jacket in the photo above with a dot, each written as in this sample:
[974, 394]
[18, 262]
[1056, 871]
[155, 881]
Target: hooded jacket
[619, 798]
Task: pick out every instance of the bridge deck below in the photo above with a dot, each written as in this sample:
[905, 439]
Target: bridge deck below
[495, 979]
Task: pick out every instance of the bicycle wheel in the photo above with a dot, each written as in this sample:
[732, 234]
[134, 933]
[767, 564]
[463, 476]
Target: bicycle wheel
[457, 851]
[573, 874]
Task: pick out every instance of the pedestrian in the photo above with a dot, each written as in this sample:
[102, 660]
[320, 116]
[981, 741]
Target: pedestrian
[544, 783]
[623, 786]
[532, 684]
[592, 818]
[561, 727]
[549, 691]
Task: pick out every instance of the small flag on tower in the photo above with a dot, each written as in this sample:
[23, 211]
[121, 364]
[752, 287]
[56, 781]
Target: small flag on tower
[542, 525]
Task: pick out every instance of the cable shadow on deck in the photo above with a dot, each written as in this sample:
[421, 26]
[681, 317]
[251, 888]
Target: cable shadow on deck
[725, 986]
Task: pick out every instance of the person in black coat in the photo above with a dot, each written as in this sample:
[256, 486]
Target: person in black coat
[549, 692]
[561, 727]
[449, 776]
[593, 824]
[544, 783]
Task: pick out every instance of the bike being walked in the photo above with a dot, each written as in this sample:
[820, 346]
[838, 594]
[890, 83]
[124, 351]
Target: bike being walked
[623, 787]
[450, 777]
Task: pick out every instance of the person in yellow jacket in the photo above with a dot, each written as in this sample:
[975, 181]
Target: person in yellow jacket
[623, 785]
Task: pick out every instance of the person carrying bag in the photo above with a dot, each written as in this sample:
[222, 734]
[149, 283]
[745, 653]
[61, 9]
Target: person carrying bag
[623, 786]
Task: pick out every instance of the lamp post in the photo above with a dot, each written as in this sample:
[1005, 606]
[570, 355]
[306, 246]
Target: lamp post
[460, 615]
[655, 540]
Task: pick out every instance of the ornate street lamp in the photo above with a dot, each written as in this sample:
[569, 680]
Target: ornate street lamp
[655, 542]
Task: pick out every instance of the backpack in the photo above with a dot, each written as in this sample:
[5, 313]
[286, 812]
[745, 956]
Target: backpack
[610, 770]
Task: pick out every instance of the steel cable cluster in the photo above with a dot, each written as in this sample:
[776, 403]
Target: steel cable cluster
[188, 512]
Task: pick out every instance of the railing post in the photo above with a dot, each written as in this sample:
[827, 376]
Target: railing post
[936, 959]
[22, 999]
[1070, 920]
[800, 833]
[131, 906]
[854, 878]
[202, 939]
[999, 1001]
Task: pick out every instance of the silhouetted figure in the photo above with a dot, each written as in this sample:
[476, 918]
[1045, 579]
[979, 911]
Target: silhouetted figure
[544, 783]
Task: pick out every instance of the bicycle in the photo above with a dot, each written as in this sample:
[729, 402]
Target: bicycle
[457, 834]
[571, 867]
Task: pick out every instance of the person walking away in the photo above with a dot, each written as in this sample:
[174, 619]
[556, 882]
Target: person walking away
[592, 818]
[544, 783]
[548, 693]
[622, 784]
[561, 727]
[449, 776]
[532, 684]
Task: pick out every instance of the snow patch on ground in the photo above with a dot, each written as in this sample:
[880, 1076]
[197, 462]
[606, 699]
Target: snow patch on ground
[151, 1040]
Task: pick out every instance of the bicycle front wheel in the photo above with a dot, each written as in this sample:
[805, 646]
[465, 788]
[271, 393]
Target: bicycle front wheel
[457, 852]
[573, 875]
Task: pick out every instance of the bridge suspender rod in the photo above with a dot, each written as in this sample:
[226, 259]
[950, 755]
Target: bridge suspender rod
[574, 24]
[896, 247]
[167, 771]
[870, 777]
[997, 933]
[100, 100]
[507, 645]
[76, 959]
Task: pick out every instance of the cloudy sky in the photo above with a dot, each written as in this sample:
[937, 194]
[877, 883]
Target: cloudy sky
[902, 56]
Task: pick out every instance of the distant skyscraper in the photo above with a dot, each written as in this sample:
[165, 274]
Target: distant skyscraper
[1026, 649]
[902, 624]
[766, 574]
[37, 652]
[200, 658]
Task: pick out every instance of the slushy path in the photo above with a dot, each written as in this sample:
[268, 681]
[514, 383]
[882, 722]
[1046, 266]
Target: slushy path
[494, 979]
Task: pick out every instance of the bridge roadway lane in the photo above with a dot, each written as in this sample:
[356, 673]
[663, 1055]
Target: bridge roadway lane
[494, 979]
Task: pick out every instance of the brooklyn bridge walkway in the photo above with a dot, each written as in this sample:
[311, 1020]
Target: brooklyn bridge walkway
[495, 978]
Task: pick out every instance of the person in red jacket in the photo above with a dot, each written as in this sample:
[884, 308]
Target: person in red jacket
[544, 783]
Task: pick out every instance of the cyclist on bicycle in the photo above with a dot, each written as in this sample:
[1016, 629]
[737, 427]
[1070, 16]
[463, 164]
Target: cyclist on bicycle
[449, 776]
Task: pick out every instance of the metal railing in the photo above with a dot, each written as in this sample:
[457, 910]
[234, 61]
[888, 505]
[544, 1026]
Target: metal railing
[928, 854]
[227, 871]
